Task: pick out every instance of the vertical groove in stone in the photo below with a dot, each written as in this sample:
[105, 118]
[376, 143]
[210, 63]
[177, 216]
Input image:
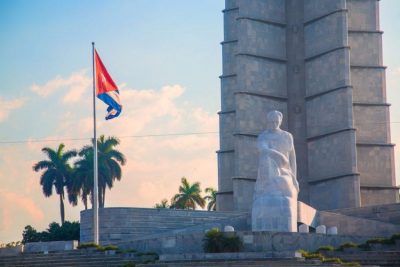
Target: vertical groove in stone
[296, 89]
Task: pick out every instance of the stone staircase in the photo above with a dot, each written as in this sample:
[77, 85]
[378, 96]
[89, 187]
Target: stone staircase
[242, 263]
[76, 258]
[380, 258]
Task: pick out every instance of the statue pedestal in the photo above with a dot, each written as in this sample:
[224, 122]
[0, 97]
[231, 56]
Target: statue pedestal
[274, 213]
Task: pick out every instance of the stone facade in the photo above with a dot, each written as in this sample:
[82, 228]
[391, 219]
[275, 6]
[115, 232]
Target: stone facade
[319, 62]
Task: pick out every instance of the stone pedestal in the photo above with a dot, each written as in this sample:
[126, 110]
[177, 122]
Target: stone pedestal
[272, 213]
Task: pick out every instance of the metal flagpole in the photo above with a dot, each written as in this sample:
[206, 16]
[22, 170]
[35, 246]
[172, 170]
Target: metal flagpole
[95, 171]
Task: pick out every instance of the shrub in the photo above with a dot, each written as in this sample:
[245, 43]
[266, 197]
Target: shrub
[110, 247]
[88, 245]
[312, 256]
[231, 243]
[348, 245]
[325, 248]
[395, 237]
[351, 263]
[363, 246]
[380, 240]
[11, 244]
[212, 241]
[129, 264]
[55, 232]
[215, 241]
[331, 260]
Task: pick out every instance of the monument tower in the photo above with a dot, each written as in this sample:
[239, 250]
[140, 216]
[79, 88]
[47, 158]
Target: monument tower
[319, 62]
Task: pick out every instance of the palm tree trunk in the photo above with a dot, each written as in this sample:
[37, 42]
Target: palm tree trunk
[62, 209]
[84, 200]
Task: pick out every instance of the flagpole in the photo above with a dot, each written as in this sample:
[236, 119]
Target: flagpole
[95, 171]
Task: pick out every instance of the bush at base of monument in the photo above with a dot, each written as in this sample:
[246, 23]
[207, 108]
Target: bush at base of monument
[216, 241]
[55, 232]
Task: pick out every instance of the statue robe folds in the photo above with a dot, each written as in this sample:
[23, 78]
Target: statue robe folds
[276, 189]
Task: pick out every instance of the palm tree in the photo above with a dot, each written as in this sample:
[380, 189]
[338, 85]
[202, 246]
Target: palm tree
[109, 169]
[57, 173]
[82, 183]
[211, 198]
[188, 196]
[162, 205]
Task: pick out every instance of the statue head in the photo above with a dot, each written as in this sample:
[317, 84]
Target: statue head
[274, 119]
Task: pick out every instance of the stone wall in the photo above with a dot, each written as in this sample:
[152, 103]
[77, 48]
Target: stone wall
[252, 241]
[389, 213]
[123, 224]
[375, 159]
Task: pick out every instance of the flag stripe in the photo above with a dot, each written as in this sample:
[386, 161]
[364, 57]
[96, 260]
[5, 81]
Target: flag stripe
[106, 90]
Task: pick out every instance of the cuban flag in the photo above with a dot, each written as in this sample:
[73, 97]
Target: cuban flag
[106, 90]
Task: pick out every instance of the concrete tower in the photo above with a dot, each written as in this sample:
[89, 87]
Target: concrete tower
[319, 62]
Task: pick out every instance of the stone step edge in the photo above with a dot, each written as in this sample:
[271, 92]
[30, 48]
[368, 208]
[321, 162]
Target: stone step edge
[278, 255]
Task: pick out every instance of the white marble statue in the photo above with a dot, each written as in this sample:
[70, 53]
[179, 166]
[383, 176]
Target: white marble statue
[276, 188]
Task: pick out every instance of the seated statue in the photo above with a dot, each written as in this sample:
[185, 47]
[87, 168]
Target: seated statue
[276, 189]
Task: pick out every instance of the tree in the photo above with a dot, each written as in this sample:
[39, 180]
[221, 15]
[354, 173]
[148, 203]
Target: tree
[211, 198]
[109, 168]
[188, 196]
[82, 182]
[162, 205]
[57, 173]
[55, 232]
[29, 235]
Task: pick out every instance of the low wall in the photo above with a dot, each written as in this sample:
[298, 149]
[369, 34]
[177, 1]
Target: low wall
[12, 251]
[252, 241]
[50, 246]
[350, 225]
[389, 213]
[117, 225]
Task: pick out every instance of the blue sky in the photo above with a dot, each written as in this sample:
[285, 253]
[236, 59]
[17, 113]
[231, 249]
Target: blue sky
[165, 56]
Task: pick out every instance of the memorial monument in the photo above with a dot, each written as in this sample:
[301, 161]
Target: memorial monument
[275, 193]
[290, 59]
[319, 62]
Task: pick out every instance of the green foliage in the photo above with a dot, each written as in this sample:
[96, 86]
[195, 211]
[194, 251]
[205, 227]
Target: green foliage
[395, 237]
[348, 245]
[11, 244]
[380, 240]
[211, 198]
[332, 260]
[363, 246]
[55, 232]
[215, 241]
[188, 196]
[351, 263]
[312, 256]
[78, 180]
[100, 248]
[130, 251]
[129, 264]
[88, 245]
[162, 205]
[325, 248]
[110, 247]
[56, 173]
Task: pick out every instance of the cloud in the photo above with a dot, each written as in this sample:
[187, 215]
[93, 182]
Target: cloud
[8, 105]
[154, 166]
[16, 200]
[75, 86]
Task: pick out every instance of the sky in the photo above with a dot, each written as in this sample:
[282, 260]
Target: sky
[165, 57]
